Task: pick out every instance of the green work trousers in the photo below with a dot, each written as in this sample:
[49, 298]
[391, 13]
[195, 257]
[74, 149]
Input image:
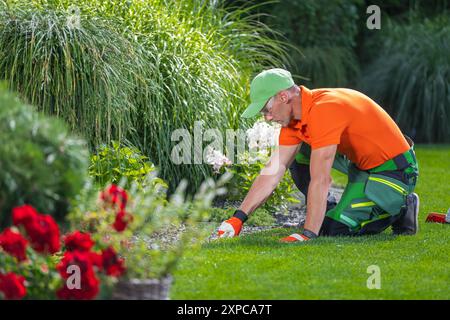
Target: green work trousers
[372, 199]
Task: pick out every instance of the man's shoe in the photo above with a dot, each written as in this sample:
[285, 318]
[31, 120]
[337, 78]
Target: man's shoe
[408, 223]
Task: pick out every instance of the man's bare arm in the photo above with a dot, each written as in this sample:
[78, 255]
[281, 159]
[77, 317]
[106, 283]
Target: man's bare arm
[270, 176]
[320, 169]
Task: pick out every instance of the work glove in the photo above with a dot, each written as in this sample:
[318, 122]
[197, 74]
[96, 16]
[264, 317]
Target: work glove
[306, 235]
[233, 226]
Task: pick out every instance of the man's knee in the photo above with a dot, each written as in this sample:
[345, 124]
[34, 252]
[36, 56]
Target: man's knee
[334, 228]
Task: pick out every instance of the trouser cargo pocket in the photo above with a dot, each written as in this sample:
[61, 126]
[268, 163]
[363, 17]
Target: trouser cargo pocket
[388, 193]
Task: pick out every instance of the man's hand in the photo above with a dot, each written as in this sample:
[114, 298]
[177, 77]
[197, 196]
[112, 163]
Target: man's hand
[230, 228]
[233, 226]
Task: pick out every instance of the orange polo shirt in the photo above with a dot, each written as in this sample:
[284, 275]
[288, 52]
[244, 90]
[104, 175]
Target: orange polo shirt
[363, 131]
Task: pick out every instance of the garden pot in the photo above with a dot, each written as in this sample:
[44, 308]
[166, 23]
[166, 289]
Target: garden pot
[143, 289]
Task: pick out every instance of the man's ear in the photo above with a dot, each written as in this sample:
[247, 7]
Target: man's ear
[284, 96]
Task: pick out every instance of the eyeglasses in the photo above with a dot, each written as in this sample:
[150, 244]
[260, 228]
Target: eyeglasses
[268, 107]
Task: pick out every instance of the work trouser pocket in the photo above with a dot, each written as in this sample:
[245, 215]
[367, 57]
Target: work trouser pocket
[388, 193]
[359, 210]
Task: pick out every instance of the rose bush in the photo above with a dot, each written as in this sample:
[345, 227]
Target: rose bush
[36, 262]
[149, 230]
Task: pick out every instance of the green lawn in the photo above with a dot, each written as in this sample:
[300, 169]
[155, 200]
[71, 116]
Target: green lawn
[259, 267]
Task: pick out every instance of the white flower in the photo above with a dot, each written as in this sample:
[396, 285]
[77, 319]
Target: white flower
[216, 159]
[262, 135]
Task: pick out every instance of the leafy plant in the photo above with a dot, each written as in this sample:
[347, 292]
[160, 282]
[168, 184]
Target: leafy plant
[113, 163]
[262, 139]
[41, 163]
[158, 229]
[34, 266]
[409, 78]
[244, 174]
[39, 273]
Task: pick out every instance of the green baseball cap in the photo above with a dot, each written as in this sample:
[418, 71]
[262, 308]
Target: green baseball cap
[264, 86]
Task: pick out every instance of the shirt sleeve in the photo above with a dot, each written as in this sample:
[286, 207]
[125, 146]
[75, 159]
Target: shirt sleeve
[326, 124]
[289, 136]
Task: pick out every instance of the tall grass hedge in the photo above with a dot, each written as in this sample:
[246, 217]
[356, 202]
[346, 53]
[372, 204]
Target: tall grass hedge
[134, 70]
[410, 77]
[326, 34]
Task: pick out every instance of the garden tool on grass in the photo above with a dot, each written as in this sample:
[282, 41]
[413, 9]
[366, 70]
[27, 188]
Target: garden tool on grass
[438, 217]
[304, 236]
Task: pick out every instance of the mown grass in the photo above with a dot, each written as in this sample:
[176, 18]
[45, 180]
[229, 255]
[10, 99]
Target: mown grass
[259, 267]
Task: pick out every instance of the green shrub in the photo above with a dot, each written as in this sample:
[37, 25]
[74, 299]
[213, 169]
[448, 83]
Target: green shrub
[412, 9]
[325, 32]
[410, 76]
[244, 174]
[138, 69]
[40, 164]
[309, 23]
[113, 163]
[161, 230]
[327, 66]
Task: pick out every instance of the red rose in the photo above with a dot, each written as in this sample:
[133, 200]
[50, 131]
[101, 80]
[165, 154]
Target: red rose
[23, 215]
[14, 243]
[96, 259]
[89, 284]
[41, 229]
[12, 286]
[89, 288]
[43, 232]
[78, 241]
[115, 196]
[122, 220]
[78, 258]
[112, 264]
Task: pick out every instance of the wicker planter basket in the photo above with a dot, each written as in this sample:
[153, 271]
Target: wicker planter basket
[143, 289]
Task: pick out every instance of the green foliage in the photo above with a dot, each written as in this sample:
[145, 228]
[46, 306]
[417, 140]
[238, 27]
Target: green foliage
[84, 75]
[260, 217]
[244, 174]
[113, 163]
[325, 32]
[331, 66]
[41, 164]
[42, 279]
[310, 23]
[137, 70]
[161, 229]
[411, 9]
[410, 76]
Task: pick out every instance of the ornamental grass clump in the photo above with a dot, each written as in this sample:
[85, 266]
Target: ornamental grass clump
[410, 77]
[137, 70]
